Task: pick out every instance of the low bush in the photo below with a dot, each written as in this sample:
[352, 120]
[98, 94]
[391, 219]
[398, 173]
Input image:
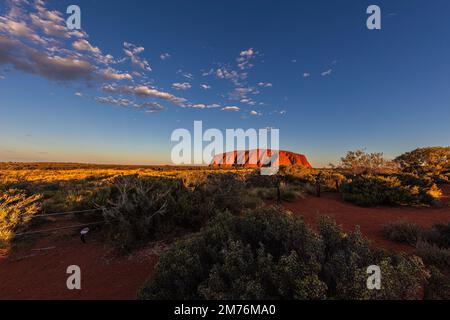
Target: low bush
[330, 181]
[16, 210]
[146, 208]
[438, 286]
[371, 190]
[433, 254]
[297, 174]
[403, 231]
[270, 254]
[439, 235]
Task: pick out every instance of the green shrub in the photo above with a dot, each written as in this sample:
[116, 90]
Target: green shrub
[403, 231]
[433, 254]
[270, 254]
[16, 210]
[438, 235]
[139, 209]
[297, 174]
[369, 191]
[438, 286]
[431, 161]
[332, 181]
[360, 162]
[348, 255]
[147, 208]
[225, 190]
[412, 179]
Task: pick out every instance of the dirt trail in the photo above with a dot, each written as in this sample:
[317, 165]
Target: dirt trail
[370, 220]
[32, 274]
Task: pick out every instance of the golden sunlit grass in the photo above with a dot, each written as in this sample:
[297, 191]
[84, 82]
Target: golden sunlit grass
[30, 188]
[66, 187]
[46, 173]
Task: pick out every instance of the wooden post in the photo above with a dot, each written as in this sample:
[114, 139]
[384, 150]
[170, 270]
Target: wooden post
[277, 185]
[318, 185]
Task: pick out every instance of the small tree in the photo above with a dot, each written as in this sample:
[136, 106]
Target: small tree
[423, 161]
[360, 162]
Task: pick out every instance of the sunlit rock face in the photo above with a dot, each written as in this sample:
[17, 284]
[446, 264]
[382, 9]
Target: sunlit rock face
[257, 158]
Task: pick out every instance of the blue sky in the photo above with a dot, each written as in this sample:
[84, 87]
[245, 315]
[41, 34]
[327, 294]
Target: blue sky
[115, 91]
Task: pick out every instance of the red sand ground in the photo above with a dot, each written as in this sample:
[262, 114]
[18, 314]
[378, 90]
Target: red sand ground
[370, 220]
[30, 274]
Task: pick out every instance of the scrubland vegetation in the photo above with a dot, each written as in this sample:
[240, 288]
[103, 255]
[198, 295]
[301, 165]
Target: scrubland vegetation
[236, 245]
[269, 254]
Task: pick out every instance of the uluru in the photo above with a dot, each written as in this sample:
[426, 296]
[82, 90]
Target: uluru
[252, 158]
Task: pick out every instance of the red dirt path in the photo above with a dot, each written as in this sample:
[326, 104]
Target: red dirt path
[370, 220]
[30, 274]
[41, 275]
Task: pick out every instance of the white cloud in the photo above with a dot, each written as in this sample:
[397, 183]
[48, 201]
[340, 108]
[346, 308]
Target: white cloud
[39, 62]
[265, 84]
[247, 53]
[306, 75]
[144, 91]
[225, 72]
[208, 73]
[205, 86]
[50, 28]
[164, 56]
[248, 101]
[189, 76]
[244, 59]
[255, 113]
[19, 30]
[327, 73]
[181, 86]
[84, 45]
[133, 52]
[111, 74]
[231, 108]
[35, 40]
[242, 93]
[199, 106]
[150, 107]
[110, 100]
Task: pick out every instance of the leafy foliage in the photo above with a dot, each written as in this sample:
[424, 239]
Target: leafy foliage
[403, 231]
[439, 235]
[433, 254]
[146, 208]
[433, 161]
[370, 190]
[270, 254]
[438, 286]
[360, 162]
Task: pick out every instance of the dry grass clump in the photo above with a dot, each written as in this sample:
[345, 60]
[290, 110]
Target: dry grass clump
[16, 210]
